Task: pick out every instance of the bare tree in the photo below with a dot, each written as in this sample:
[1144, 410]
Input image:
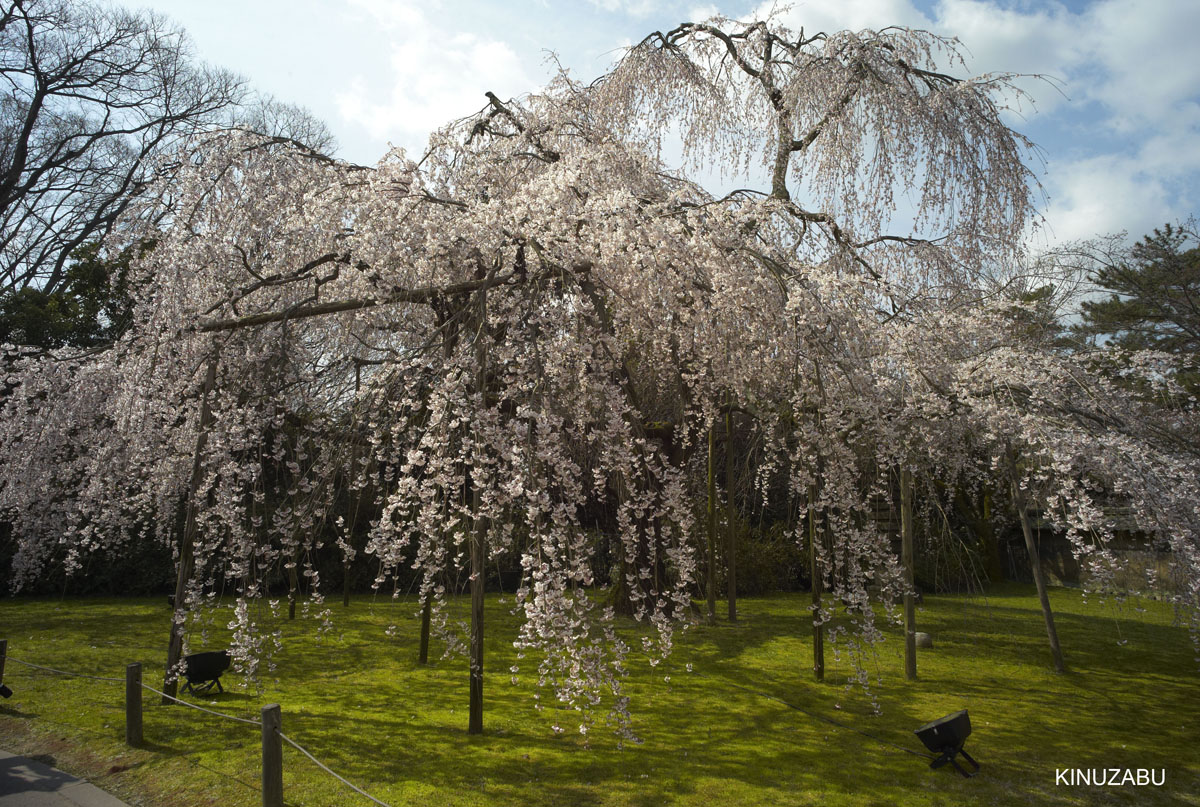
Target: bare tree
[89, 95]
[269, 116]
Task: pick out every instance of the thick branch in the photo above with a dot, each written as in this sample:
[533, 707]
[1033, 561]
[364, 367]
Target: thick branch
[425, 294]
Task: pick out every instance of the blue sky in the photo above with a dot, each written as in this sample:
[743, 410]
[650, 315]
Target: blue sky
[1118, 129]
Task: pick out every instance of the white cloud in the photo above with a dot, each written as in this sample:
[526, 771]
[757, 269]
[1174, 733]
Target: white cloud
[850, 15]
[1133, 64]
[1106, 194]
[702, 13]
[1043, 42]
[1135, 191]
[393, 15]
[436, 75]
[634, 8]
[1145, 50]
[998, 39]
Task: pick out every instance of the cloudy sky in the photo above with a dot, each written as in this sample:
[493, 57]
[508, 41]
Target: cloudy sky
[1118, 123]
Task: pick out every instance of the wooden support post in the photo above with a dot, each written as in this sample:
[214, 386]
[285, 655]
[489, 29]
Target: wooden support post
[4, 690]
[730, 512]
[475, 716]
[1035, 565]
[272, 756]
[814, 570]
[355, 492]
[712, 527]
[187, 540]
[906, 554]
[133, 704]
[478, 545]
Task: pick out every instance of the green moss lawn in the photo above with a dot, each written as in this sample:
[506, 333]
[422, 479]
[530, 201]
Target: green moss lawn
[717, 735]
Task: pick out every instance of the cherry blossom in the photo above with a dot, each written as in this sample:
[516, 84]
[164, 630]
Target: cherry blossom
[537, 322]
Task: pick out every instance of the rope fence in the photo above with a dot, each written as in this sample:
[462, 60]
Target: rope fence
[201, 708]
[272, 736]
[325, 768]
[60, 672]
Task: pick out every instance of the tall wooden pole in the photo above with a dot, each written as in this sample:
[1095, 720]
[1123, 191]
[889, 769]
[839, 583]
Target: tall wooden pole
[730, 512]
[478, 548]
[356, 493]
[187, 541]
[712, 526]
[1035, 564]
[906, 553]
[814, 571]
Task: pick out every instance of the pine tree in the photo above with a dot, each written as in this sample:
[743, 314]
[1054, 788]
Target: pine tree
[1154, 295]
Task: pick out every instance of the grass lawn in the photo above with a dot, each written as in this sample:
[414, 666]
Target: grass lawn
[715, 736]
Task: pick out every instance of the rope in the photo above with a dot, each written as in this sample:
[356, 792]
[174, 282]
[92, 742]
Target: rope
[122, 680]
[362, 792]
[282, 736]
[201, 708]
[64, 672]
[821, 717]
[325, 768]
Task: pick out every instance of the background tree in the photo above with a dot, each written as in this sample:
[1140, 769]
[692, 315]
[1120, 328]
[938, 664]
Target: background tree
[89, 95]
[1153, 288]
[93, 99]
[91, 307]
[1152, 302]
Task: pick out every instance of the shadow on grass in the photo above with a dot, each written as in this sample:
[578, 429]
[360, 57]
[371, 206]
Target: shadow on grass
[359, 702]
[18, 714]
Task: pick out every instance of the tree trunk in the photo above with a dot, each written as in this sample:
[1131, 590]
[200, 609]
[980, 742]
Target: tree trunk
[712, 527]
[815, 574]
[730, 512]
[1035, 564]
[906, 553]
[187, 540]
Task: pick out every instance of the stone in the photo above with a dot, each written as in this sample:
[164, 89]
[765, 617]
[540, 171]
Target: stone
[924, 640]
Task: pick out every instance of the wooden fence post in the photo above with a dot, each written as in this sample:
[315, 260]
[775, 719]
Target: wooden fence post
[272, 757]
[133, 704]
[4, 691]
